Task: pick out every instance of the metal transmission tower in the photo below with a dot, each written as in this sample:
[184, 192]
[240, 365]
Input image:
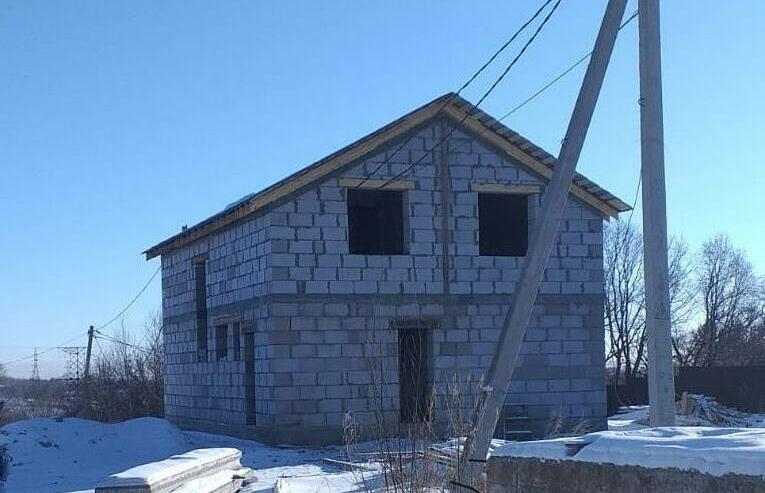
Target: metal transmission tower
[35, 368]
[75, 356]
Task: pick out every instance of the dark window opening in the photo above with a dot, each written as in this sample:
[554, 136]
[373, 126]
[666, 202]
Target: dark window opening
[249, 378]
[236, 334]
[414, 387]
[375, 222]
[200, 305]
[503, 224]
[221, 342]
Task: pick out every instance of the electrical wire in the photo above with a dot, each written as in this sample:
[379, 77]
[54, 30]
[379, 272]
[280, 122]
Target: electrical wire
[634, 201]
[135, 298]
[98, 345]
[40, 353]
[519, 55]
[82, 334]
[513, 110]
[480, 101]
[462, 88]
[560, 76]
[121, 342]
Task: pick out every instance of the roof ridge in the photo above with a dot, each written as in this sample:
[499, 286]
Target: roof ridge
[374, 141]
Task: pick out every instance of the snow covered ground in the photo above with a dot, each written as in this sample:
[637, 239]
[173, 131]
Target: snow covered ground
[53, 456]
[629, 418]
[694, 444]
[66, 455]
[715, 451]
[73, 455]
[636, 418]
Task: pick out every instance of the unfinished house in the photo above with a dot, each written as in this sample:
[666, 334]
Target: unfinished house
[374, 279]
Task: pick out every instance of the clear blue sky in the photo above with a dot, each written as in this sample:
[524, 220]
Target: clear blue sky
[122, 121]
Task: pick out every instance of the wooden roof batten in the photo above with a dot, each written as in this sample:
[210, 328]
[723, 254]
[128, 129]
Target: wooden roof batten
[454, 107]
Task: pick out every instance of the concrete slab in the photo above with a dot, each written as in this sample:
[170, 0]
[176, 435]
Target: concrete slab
[166, 475]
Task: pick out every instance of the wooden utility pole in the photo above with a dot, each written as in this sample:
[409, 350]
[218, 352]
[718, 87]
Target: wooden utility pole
[492, 396]
[91, 333]
[661, 386]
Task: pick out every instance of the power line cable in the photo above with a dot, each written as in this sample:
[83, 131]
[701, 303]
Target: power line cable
[48, 349]
[98, 345]
[519, 55]
[513, 110]
[121, 342]
[637, 192]
[462, 88]
[135, 298]
[560, 76]
[480, 101]
[546, 86]
[122, 312]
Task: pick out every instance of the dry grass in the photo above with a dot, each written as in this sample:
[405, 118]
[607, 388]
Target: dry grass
[418, 457]
[560, 426]
[5, 464]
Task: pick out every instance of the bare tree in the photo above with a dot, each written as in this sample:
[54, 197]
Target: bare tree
[731, 298]
[128, 376]
[682, 297]
[625, 298]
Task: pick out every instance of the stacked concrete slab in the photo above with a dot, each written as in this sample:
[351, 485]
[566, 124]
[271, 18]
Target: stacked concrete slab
[215, 470]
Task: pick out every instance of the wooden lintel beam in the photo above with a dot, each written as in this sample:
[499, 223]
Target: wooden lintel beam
[517, 188]
[375, 184]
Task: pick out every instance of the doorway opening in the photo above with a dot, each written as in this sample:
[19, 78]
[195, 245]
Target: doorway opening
[415, 387]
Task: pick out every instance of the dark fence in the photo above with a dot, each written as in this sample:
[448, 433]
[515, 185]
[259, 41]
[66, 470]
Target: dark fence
[741, 387]
[634, 393]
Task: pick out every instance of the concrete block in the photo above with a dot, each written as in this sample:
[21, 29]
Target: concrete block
[316, 287]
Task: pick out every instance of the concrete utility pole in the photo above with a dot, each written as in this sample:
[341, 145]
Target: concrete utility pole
[91, 332]
[661, 386]
[492, 396]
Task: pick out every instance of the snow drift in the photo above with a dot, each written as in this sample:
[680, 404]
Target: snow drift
[716, 451]
[54, 455]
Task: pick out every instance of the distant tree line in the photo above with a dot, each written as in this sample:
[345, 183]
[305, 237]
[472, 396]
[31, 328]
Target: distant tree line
[717, 304]
[126, 381]
[127, 378]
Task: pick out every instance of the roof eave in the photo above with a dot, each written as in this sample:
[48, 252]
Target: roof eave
[478, 121]
[307, 175]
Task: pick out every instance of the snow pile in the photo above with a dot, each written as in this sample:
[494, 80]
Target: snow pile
[629, 418]
[692, 410]
[49, 455]
[715, 451]
[54, 456]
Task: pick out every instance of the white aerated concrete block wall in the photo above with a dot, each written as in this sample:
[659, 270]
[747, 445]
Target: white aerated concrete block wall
[322, 317]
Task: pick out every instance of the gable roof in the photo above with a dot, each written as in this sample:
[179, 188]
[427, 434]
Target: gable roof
[453, 106]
